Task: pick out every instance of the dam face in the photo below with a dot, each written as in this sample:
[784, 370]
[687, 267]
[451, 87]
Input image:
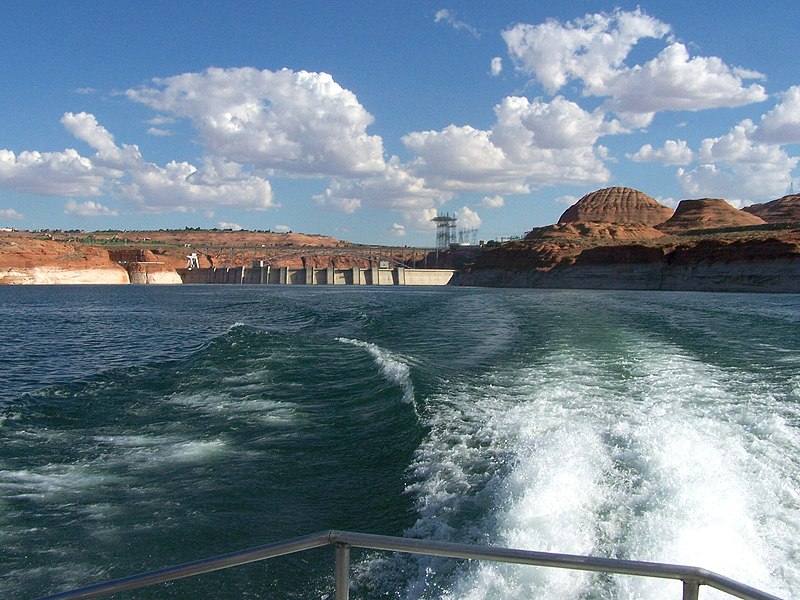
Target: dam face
[310, 276]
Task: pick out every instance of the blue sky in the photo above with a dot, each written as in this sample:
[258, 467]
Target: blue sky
[361, 120]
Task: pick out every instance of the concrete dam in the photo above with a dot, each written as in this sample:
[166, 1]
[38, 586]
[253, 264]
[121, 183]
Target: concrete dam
[260, 275]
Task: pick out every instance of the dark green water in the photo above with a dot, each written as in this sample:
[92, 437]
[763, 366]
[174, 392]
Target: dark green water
[147, 426]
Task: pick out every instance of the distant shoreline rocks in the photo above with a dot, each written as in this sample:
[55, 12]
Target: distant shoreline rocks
[708, 213]
[621, 238]
[782, 210]
[612, 238]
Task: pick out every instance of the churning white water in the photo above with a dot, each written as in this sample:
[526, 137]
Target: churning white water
[395, 368]
[642, 453]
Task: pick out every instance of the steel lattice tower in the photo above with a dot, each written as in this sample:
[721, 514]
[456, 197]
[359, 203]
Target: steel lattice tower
[445, 230]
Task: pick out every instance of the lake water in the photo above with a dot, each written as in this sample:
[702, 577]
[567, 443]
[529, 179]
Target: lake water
[146, 426]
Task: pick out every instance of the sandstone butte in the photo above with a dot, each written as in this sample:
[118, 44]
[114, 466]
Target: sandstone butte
[615, 238]
[619, 205]
[708, 213]
[782, 210]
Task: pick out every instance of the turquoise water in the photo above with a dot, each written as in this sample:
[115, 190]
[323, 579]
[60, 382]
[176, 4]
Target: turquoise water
[147, 426]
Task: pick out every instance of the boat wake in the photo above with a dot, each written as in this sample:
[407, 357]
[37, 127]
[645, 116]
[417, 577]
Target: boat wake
[647, 454]
[395, 368]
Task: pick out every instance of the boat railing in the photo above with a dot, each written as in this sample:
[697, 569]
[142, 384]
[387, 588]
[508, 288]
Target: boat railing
[691, 577]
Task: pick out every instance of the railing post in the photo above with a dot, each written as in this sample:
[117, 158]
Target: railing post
[342, 572]
[691, 590]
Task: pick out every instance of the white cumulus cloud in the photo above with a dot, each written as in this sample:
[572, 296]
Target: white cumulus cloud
[493, 202]
[735, 166]
[674, 81]
[420, 219]
[10, 213]
[340, 196]
[88, 209]
[673, 152]
[467, 218]
[85, 127]
[282, 229]
[496, 66]
[781, 125]
[397, 230]
[121, 171]
[531, 143]
[180, 186]
[747, 163]
[592, 52]
[65, 173]
[295, 122]
[589, 49]
[229, 226]
[396, 188]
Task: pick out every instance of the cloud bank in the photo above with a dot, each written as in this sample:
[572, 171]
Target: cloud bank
[295, 123]
[592, 51]
[748, 162]
[122, 173]
[531, 143]
[88, 209]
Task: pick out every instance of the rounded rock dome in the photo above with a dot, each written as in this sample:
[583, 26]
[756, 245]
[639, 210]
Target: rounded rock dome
[621, 205]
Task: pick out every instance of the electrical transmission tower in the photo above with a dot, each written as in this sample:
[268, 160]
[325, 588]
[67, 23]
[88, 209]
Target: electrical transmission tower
[445, 230]
[468, 236]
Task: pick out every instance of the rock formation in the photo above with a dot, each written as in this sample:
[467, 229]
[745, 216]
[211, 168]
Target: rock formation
[619, 205]
[144, 266]
[592, 230]
[157, 256]
[606, 242]
[24, 260]
[62, 276]
[707, 213]
[782, 210]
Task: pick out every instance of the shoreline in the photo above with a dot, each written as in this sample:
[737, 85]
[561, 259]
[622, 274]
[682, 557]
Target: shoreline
[776, 276]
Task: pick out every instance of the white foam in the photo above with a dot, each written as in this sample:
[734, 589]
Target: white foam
[52, 481]
[82, 477]
[648, 455]
[9, 416]
[153, 451]
[193, 451]
[714, 473]
[394, 367]
[240, 407]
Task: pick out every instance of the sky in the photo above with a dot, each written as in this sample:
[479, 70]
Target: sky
[363, 120]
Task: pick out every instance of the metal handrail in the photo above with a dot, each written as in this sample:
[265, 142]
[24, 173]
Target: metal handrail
[692, 577]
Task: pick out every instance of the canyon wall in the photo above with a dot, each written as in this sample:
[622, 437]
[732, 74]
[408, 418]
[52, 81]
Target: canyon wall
[63, 276]
[758, 276]
[715, 266]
